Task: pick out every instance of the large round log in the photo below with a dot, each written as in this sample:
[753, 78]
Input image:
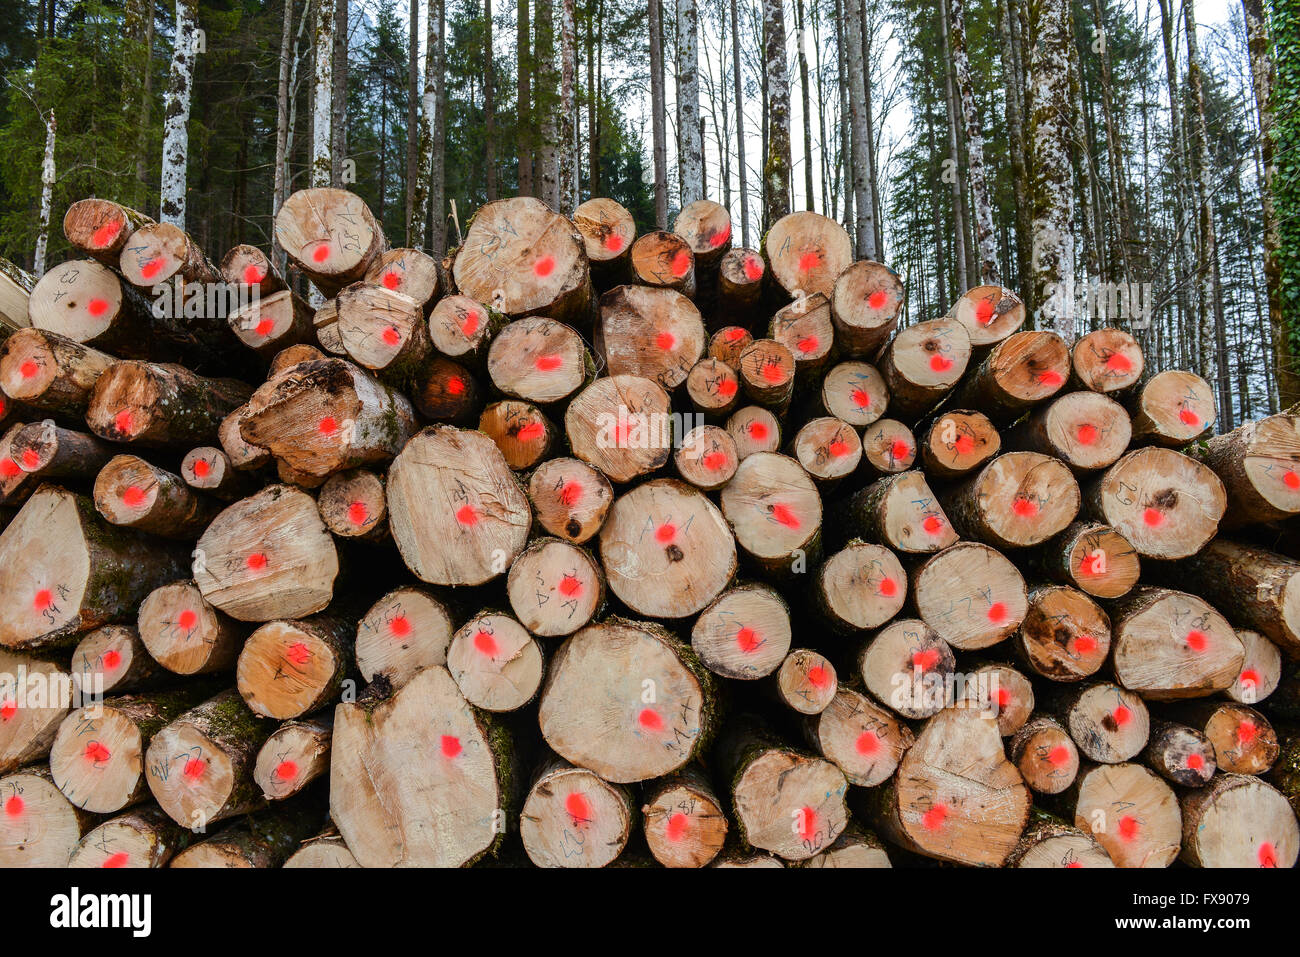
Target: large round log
[161, 404]
[1019, 372]
[744, 633]
[971, 595]
[1019, 499]
[571, 818]
[405, 631]
[922, 364]
[1238, 821]
[1259, 463]
[865, 302]
[330, 235]
[1172, 409]
[1131, 812]
[989, 313]
[806, 252]
[1169, 645]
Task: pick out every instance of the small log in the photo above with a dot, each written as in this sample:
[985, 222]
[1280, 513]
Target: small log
[140, 838]
[249, 265]
[989, 313]
[1092, 557]
[35, 697]
[50, 372]
[1019, 372]
[1131, 812]
[447, 392]
[352, 505]
[1166, 504]
[1244, 741]
[593, 710]
[785, 801]
[325, 320]
[865, 302]
[16, 483]
[287, 669]
[862, 739]
[383, 331]
[268, 556]
[132, 493]
[1085, 430]
[1107, 361]
[114, 659]
[854, 392]
[754, 429]
[209, 469]
[908, 668]
[262, 840]
[922, 364]
[971, 595]
[713, 387]
[1260, 671]
[1065, 636]
[462, 328]
[828, 449]
[200, 766]
[523, 434]
[1001, 692]
[806, 682]
[889, 446]
[706, 227]
[806, 252]
[1173, 409]
[66, 571]
[1049, 842]
[410, 272]
[100, 228]
[444, 810]
[899, 511]
[1181, 755]
[570, 499]
[457, 514]
[740, 282]
[554, 587]
[330, 235]
[47, 451]
[272, 323]
[185, 634]
[744, 633]
[1109, 724]
[955, 797]
[684, 822]
[405, 631]
[656, 333]
[859, 587]
[666, 549]
[296, 754]
[619, 424]
[538, 360]
[496, 663]
[767, 370]
[776, 513]
[1238, 821]
[728, 343]
[1259, 463]
[525, 260]
[326, 850]
[39, 827]
[957, 442]
[243, 455]
[326, 416]
[664, 260]
[607, 231]
[157, 253]
[1045, 756]
[161, 405]
[571, 818]
[87, 303]
[805, 328]
[1169, 645]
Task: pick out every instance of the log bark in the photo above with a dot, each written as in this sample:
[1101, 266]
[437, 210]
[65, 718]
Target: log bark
[295, 755]
[50, 372]
[134, 494]
[161, 404]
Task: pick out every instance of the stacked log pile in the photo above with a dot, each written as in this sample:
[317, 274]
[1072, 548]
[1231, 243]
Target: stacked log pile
[604, 549]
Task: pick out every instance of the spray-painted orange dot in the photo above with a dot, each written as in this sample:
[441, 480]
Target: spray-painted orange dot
[1074, 864]
[298, 653]
[984, 312]
[1128, 827]
[264, 327]
[1246, 732]
[867, 744]
[1050, 378]
[106, 234]
[888, 587]
[30, 460]
[328, 425]
[747, 639]
[391, 336]
[932, 524]
[119, 859]
[450, 745]
[614, 242]
[878, 299]
[547, 363]
[1189, 418]
[29, 369]
[96, 753]
[256, 561]
[400, 626]
[720, 237]
[133, 497]
[194, 768]
[321, 253]
[578, 807]
[933, 819]
[807, 344]
[1003, 698]
[753, 268]
[1024, 507]
[807, 823]
[358, 513]
[838, 448]
[14, 806]
[392, 280]
[1087, 434]
[253, 275]
[1153, 517]
[9, 468]
[899, 450]
[43, 600]
[783, 514]
[570, 586]
[860, 398]
[201, 468]
[727, 388]
[773, 372]
[466, 516]
[570, 493]
[940, 363]
[152, 268]
[188, 618]
[1085, 644]
[681, 263]
[122, 422]
[818, 676]
[1249, 678]
[455, 385]
[469, 325]
[486, 644]
[1058, 756]
[734, 334]
[1118, 362]
[544, 266]
[665, 533]
[1267, 855]
[964, 445]
[715, 461]
[997, 613]
[531, 432]
[1290, 479]
[650, 720]
[757, 431]
[809, 261]
[1197, 640]
[925, 658]
[1121, 715]
[111, 660]
[8, 709]
[665, 341]
[677, 826]
[286, 770]
[1195, 762]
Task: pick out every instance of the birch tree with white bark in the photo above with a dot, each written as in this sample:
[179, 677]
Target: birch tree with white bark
[322, 162]
[176, 114]
[864, 228]
[430, 181]
[47, 193]
[566, 127]
[984, 240]
[690, 152]
[776, 173]
[658, 114]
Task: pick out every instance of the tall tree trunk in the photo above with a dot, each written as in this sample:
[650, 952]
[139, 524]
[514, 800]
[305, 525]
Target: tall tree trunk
[846, 112]
[435, 112]
[658, 114]
[776, 174]
[873, 184]
[819, 69]
[1114, 148]
[546, 104]
[146, 99]
[690, 160]
[864, 228]
[740, 126]
[413, 212]
[1183, 252]
[47, 194]
[593, 98]
[1086, 187]
[281, 131]
[954, 175]
[1262, 76]
[988, 252]
[339, 96]
[1052, 188]
[1013, 79]
[322, 96]
[804, 100]
[176, 114]
[489, 103]
[567, 127]
[523, 102]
